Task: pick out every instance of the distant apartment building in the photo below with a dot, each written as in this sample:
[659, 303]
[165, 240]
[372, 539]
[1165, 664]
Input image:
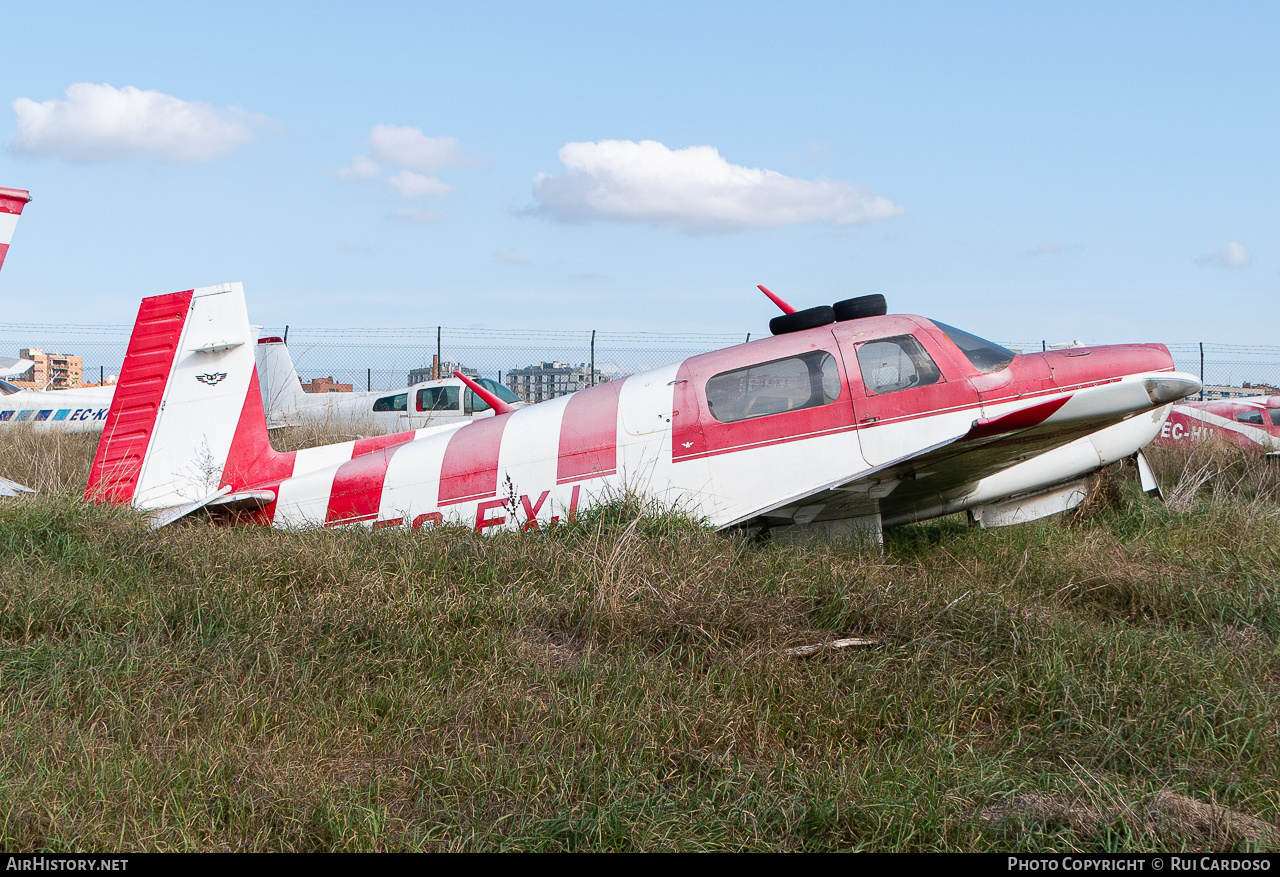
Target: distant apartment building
[1218, 391]
[50, 371]
[537, 383]
[445, 370]
[326, 385]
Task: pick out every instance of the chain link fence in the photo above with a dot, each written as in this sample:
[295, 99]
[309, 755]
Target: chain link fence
[383, 359]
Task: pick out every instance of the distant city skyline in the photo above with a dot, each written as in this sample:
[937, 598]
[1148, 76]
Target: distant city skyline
[1062, 171]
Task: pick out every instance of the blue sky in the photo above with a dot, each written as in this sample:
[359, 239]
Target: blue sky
[1106, 172]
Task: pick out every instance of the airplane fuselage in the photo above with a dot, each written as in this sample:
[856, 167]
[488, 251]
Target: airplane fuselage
[737, 436]
[80, 410]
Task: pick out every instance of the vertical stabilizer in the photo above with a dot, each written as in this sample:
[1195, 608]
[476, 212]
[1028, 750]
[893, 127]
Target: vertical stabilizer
[11, 203]
[282, 394]
[180, 408]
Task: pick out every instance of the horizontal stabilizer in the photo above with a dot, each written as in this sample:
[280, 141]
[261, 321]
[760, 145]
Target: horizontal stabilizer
[13, 488]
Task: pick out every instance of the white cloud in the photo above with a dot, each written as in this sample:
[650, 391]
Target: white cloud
[402, 146]
[363, 169]
[101, 123]
[1045, 248]
[418, 217]
[694, 190]
[406, 161]
[1234, 256]
[407, 184]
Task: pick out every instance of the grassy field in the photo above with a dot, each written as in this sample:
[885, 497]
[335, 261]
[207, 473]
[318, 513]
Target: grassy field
[1103, 680]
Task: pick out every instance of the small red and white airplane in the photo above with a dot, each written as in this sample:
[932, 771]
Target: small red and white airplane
[1248, 422]
[11, 203]
[846, 420]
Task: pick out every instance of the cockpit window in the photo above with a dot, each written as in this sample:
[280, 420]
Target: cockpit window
[392, 403]
[893, 364]
[438, 399]
[1254, 416]
[985, 355]
[806, 381]
[1275, 416]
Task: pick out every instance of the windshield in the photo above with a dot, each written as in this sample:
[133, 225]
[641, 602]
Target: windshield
[985, 355]
[475, 403]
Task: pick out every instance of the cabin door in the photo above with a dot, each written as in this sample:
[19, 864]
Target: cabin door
[908, 394]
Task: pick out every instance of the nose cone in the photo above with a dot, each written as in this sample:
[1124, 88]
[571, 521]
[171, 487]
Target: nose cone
[1171, 388]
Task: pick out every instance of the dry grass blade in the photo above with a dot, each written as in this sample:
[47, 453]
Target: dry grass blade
[46, 460]
[811, 650]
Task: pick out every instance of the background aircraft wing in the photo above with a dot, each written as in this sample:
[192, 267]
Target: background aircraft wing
[14, 368]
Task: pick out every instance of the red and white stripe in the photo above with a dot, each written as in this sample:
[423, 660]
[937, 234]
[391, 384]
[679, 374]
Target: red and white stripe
[11, 203]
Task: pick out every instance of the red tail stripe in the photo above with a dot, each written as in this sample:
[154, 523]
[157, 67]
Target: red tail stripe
[148, 363]
[4, 250]
[470, 467]
[251, 459]
[589, 434]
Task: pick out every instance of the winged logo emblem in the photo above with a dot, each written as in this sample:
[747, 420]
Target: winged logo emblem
[211, 378]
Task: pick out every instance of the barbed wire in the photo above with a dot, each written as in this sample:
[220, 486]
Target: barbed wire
[381, 358]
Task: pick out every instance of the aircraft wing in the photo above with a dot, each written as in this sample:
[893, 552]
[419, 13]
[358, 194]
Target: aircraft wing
[14, 368]
[924, 477]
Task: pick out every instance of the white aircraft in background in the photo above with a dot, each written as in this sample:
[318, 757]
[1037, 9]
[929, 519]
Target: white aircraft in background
[80, 410]
[429, 403]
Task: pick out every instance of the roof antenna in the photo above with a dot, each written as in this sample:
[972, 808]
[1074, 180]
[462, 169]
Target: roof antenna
[786, 308]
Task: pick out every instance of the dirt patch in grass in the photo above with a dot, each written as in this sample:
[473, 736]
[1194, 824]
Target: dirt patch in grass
[1165, 814]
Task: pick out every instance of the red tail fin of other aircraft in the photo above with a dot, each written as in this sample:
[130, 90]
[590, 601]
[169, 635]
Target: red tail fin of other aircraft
[11, 203]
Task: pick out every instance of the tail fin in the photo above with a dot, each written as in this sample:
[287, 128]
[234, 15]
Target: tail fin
[187, 416]
[11, 203]
[282, 394]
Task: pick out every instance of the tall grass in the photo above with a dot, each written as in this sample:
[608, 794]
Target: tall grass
[622, 683]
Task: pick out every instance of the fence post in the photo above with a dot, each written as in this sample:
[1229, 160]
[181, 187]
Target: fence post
[439, 358]
[368, 380]
[593, 357]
